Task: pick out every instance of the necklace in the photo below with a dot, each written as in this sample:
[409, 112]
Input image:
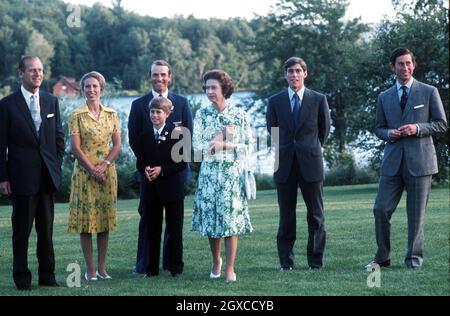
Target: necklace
[95, 112]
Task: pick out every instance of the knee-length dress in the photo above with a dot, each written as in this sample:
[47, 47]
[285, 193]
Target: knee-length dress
[93, 205]
[220, 205]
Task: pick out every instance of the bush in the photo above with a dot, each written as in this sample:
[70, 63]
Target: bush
[264, 182]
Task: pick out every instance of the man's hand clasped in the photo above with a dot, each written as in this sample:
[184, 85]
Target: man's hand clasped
[152, 173]
[403, 131]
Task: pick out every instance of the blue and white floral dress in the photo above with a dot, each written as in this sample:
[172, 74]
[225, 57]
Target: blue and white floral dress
[220, 205]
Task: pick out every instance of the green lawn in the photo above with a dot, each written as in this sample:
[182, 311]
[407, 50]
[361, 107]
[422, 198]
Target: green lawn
[350, 245]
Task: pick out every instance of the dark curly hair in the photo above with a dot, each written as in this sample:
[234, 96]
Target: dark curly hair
[225, 81]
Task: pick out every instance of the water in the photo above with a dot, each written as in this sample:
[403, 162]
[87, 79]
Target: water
[260, 161]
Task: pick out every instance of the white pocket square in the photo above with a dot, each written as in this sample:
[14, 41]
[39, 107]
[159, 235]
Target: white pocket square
[418, 106]
[50, 115]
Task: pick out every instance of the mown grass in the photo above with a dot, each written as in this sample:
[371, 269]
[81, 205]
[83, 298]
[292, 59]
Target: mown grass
[350, 245]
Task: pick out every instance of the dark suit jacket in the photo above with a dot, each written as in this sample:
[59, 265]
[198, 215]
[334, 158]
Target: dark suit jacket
[139, 118]
[169, 186]
[424, 108]
[305, 140]
[22, 153]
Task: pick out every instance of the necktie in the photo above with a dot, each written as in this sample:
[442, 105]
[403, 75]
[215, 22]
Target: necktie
[404, 98]
[156, 135]
[296, 109]
[35, 113]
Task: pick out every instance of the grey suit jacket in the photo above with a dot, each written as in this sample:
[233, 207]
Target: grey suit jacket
[425, 109]
[305, 139]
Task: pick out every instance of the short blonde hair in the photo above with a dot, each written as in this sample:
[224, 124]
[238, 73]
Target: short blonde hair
[96, 75]
[161, 103]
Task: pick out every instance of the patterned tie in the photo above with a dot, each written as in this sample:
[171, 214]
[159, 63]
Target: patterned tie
[404, 98]
[35, 113]
[296, 109]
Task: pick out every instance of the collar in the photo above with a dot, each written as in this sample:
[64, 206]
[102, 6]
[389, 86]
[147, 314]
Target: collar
[158, 130]
[85, 109]
[408, 84]
[164, 94]
[300, 93]
[27, 94]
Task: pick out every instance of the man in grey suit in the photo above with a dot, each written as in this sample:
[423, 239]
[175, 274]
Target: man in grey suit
[407, 116]
[302, 118]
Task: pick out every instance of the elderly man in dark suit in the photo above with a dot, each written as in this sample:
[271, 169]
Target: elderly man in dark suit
[407, 116]
[301, 118]
[160, 76]
[31, 152]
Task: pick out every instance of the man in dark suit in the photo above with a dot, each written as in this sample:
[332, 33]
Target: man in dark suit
[163, 188]
[407, 116]
[301, 118]
[31, 152]
[160, 76]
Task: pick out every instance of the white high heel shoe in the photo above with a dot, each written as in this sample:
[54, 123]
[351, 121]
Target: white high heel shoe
[233, 278]
[215, 276]
[106, 277]
[88, 278]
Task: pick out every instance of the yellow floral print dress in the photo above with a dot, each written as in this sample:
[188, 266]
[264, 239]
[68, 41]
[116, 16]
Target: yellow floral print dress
[93, 205]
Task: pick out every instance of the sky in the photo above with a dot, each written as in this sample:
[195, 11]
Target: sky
[370, 11]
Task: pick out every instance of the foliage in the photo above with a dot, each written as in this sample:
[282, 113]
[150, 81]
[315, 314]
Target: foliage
[421, 26]
[122, 44]
[316, 31]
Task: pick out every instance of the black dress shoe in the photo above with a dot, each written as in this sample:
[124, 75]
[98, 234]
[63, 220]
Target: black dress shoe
[176, 274]
[48, 283]
[24, 287]
[314, 267]
[150, 275]
[374, 264]
[284, 269]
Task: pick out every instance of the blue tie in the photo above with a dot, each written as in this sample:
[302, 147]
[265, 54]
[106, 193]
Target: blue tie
[296, 109]
[404, 98]
[35, 113]
[156, 135]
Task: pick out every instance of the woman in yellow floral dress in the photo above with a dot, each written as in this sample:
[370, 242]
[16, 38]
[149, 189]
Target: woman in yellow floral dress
[93, 191]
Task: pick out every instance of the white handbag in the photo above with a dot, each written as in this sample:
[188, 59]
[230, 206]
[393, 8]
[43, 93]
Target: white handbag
[249, 184]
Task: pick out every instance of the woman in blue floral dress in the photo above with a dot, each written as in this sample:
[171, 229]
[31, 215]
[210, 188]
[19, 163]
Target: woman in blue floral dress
[222, 136]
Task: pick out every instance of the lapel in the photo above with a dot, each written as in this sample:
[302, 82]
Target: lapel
[285, 109]
[393, 104]
[163, 134]
[146, 121]
[305, 107]
[23, 108]
[45, 109]
[413, 93]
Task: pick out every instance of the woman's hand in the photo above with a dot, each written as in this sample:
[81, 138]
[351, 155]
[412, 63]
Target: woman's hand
[215, 146]
[99, 172]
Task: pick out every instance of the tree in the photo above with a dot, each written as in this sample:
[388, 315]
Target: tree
[39, 46]
[422, 26]
[335, 52]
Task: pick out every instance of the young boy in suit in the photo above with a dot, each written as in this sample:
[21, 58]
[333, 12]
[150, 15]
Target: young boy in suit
[163, 187]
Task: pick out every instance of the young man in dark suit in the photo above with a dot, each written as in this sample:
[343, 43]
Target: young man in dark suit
[301, 118]
[163, 188]
[408, 115]
[160, 76]
[31, 153]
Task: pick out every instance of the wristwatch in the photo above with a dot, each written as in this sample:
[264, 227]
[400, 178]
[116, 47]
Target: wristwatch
[107, 162]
